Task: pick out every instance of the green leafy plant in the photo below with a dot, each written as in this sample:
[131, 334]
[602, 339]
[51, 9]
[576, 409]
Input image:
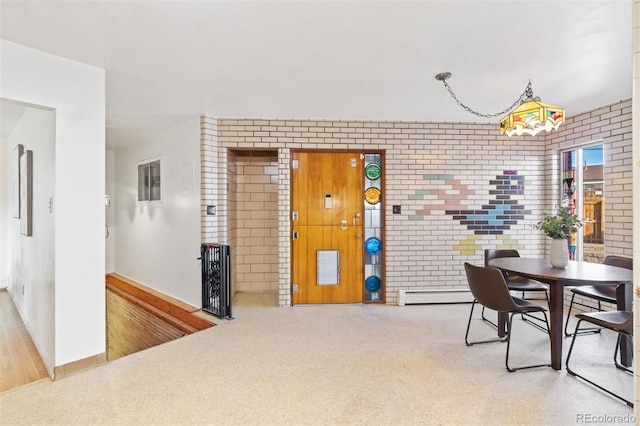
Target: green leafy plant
[559, 225]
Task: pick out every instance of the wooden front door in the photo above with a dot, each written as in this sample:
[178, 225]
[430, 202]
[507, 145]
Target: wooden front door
[327, 225]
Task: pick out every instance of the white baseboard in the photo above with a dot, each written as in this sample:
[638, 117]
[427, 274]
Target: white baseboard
[413, 297]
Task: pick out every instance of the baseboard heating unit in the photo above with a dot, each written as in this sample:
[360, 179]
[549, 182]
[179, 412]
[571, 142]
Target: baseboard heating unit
[419, 297]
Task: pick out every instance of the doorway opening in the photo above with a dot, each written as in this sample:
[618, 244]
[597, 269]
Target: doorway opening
[253, 220]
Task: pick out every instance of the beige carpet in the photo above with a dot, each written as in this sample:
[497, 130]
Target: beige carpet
[332, 364]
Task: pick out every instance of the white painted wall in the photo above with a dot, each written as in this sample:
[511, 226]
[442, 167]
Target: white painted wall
[158, 243]
[110, 217]
[5, 181]
[77, 93]
[636, 190]
[31, 263]
[10, 113]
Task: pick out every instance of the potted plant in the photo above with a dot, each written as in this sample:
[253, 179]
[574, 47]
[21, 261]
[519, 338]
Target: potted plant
[559, 226]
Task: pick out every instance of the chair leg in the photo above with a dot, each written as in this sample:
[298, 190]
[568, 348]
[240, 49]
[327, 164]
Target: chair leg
[466, 336]
[589, 330]
[566, 323]
[506, 361]
[615, 354]
[522, 296]
[528, 317]
[573, 373]
[487, 319]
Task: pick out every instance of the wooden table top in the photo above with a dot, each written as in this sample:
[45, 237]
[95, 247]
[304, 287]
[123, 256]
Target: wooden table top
[576, 272]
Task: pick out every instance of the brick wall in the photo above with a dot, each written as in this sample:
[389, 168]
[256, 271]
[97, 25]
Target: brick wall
[444, 175]
[209, 178]
[256, 226]
[284, 231]
[610, 125]
[231, 186]
[438, 172]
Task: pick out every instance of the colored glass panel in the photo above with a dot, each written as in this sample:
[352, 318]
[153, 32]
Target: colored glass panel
[372, 195]
[372, 171]
[372, 283]
[373, 245]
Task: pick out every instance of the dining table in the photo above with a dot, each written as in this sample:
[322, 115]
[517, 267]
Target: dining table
[576, 273]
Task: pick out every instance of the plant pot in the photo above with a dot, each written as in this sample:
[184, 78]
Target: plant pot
[559, 256]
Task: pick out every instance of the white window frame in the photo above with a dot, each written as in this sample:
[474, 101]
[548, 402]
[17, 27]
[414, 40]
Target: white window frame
[579, 184]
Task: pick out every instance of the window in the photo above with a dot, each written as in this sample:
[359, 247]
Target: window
[149, 188]
[583, 194]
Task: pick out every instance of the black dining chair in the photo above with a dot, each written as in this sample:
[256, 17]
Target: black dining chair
[489, 289]
[618, 321]
[599, 293]
[518, 284]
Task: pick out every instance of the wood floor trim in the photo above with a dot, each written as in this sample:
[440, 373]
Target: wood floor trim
[62, 371]
[176, 312]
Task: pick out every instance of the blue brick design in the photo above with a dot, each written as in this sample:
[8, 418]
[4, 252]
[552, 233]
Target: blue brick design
[500, 214]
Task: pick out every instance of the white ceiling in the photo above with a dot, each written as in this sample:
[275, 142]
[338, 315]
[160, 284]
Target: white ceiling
[169, 60]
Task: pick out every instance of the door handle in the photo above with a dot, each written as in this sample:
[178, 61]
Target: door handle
[355, 218]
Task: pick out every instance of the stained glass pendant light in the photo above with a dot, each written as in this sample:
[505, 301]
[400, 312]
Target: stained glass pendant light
[530, 117]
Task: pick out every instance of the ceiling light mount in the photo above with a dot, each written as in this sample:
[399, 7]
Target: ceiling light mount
[443, 76]
[530, 117]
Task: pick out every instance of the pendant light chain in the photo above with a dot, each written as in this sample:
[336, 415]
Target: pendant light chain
[527, 94]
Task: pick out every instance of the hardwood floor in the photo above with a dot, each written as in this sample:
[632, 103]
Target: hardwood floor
[20, 363]
[143, 318]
